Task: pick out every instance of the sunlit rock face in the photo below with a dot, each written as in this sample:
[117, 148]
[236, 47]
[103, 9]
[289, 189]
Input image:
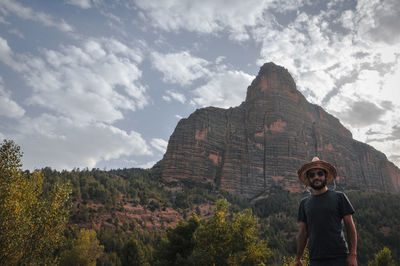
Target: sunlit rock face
[259, 145]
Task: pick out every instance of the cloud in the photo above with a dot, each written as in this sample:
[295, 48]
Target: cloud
[210, 16]
[378, 21]
[84, 4]
[171, 95]
[3, 21]
[8, 107]
[147, 165]
[17, 33]
[395, 133]
[391, 148]
[221, 87]
[94, 82]
[9, 7]
[62, 144]
[180, 68]
[6, 54]
[159, 144]
[225, 89]
[362, 113]
[323, 57]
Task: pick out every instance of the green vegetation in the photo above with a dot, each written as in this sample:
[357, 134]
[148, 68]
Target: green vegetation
[32, 219]
[84, 250]
[382, 258]
[37, 226]
[224, 241]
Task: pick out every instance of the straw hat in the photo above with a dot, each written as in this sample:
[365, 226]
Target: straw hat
[316, 163]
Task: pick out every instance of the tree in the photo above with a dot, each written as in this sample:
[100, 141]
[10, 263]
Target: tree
[133, 254]
[85, 249]
[221, 241]
[382, 258]
[32, 222]
[179, 242]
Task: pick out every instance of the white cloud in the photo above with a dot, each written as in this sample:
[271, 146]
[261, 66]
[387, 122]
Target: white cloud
[180, 68]
[95, 82]
[9, 7]
[171, 95]
[8, 107]
[147, 165]
[84, 4]
[211, 16]
[391, 149]
[225, 89]
[378, 20]
[322, 59]
[6, 53]
[62, 144]
[159, 144]
[3, 21]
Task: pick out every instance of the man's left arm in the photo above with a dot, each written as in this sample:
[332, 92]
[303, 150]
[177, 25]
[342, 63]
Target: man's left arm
[352, 239]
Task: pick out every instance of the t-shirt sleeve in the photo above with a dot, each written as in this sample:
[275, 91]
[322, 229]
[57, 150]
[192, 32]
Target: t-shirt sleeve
[345, 206]
[301, 217]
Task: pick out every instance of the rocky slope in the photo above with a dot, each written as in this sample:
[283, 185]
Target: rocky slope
[260, 144]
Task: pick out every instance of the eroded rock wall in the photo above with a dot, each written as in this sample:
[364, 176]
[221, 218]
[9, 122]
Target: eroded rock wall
[261, 143]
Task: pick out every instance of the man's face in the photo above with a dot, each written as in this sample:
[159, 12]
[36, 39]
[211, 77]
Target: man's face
[317, 178]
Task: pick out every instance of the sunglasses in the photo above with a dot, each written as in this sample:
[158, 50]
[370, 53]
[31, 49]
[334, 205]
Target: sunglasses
[312, 175]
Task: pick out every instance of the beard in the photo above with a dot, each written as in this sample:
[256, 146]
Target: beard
[322, 185]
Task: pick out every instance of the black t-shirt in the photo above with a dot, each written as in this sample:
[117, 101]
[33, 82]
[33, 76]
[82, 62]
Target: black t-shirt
[323, 216]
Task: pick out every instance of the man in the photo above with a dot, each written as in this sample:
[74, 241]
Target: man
[320, 217]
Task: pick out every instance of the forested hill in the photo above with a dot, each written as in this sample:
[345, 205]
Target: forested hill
[125, 204]
[128, 217]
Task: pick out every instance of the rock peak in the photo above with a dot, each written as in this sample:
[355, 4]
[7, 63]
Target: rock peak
[271, 77]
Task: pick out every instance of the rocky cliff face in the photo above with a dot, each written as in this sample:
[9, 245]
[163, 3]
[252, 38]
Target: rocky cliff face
[260, 144]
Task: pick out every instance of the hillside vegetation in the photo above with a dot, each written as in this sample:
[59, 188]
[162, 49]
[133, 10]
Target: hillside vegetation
[128, 217]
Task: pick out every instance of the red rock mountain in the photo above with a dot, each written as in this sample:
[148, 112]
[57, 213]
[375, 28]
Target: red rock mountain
[260, 144]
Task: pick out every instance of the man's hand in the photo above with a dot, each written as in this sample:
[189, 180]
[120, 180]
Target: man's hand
[301, 242]
[352, 240]
[298, 263]
[351, 260]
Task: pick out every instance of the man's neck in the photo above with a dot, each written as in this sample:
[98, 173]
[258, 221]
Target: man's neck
[321, 191]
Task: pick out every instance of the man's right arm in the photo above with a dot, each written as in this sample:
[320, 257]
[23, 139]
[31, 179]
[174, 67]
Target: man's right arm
[301, 242]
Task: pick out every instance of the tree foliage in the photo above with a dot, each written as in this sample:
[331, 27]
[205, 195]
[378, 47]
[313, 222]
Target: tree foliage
[85, 249]
[382, 258]
[32, 221]
[224, 241]
[179, 243]
[133, 253]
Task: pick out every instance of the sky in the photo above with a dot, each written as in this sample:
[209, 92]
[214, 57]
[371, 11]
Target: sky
[103, 84]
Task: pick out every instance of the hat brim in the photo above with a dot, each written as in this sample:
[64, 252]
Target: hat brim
[331, 172]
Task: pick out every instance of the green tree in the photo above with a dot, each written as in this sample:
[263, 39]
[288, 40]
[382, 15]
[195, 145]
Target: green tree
[382, 258]
[32, 222]
[133, 254]
[179, 242]
[85, 249]
[221, 241]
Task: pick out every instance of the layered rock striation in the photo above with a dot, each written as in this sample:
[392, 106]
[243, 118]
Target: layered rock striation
[260, 144]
